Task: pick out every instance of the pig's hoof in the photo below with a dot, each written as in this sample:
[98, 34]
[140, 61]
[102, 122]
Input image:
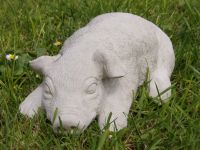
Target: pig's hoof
[117, 126]
[160, 83]
[116, 123]
[26, 108]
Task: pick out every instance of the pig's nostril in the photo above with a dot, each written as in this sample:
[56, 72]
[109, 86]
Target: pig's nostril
[56, 129]
[59, 129]
[73, 128]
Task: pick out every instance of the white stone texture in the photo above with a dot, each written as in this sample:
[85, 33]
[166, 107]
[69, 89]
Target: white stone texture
[98, 69]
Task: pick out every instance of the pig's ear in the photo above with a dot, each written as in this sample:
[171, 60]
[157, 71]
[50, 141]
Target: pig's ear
[42, 63]
[109, 64]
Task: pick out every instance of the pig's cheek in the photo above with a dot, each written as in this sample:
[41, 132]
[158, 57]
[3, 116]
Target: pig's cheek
[92, 102]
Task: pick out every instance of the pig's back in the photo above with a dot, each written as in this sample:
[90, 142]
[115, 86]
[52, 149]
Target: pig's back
[131, 37]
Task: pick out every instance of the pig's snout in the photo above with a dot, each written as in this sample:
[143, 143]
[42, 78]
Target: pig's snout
[69, 124]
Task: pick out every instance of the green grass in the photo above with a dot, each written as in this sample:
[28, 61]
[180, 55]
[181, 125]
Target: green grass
[29, 29]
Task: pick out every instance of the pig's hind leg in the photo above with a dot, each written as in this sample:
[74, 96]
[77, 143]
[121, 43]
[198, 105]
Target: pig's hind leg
[160, 77]
[159, 85]
[32, 102]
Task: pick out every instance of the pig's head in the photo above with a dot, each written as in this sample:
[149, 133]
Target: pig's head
[73, 87]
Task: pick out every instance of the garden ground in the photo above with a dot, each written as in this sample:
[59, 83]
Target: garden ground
[30, 28]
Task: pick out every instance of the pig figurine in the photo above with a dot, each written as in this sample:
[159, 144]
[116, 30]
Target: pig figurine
[97, 71]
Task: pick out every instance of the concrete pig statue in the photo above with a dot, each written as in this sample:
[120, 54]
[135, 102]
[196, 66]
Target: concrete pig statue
[98, 69]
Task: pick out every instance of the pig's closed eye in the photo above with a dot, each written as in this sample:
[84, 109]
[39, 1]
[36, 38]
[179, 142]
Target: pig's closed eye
[47, 92]
[48, 89]
[91, 88]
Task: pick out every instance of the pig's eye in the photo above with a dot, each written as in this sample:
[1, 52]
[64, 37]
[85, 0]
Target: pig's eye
[47, 92]
[91, 88]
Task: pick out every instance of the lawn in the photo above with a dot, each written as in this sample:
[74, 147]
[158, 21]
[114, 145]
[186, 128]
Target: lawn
[29, 29]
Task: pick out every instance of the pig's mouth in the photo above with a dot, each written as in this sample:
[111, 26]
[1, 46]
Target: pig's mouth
[72, 123]
[68, 125]
[72, 130]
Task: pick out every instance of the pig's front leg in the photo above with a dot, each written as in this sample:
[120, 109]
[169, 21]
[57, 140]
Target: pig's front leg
[119, 114]
[32, 102]
[117, 104]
